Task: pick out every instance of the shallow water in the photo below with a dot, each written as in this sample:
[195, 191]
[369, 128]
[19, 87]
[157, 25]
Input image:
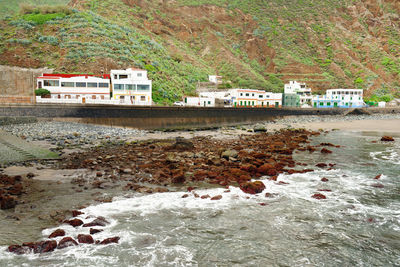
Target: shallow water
[357, 225]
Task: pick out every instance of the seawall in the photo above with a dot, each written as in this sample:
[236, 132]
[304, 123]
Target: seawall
[163, 117]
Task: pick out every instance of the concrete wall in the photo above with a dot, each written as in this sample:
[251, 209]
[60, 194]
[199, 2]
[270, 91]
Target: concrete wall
[164, 117]
[17, 85]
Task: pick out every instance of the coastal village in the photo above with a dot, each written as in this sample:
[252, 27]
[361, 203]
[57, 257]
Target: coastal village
[132, 87]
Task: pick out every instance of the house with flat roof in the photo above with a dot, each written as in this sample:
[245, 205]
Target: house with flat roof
[339, 98]
[131, 86]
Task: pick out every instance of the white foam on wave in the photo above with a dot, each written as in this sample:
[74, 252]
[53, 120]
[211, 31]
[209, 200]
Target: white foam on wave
[346, 188]
[389, 155]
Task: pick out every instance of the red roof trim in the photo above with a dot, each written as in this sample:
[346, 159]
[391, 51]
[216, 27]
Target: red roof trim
[65, 75]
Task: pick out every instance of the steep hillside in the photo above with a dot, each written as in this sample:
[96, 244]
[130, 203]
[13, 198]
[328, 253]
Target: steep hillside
[252, 43]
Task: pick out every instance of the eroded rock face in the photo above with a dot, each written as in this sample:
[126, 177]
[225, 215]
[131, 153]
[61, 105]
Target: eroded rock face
[252, 187]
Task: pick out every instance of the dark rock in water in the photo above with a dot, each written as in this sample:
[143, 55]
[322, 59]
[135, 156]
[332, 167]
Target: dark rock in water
[110, 240]
[46, 246]
[252, 187]
[76, 213]
[387, 139]
[378, 177]
[85, 239]
[99, 221]
[7, 202]
[95, 231]
[56, 233]
[74, 222]
[321, 165]
[377, 185]
[67, 242]
[318, 196]
[182, 144]
[326, 151]
[324, 179]
[185, 196]
[19, 250]
[205, 196]
[216, 197]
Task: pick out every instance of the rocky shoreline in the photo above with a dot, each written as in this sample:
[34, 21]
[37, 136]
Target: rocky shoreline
[110, 164]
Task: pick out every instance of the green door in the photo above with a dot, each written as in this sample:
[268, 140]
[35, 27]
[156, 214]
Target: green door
[335, 104]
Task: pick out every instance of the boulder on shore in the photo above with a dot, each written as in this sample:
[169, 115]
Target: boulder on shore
[67, 242]
[252, 187]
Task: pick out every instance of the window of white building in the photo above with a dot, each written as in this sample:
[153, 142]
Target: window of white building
[80, 84]
[142, 98]
[129, 86]
[67, 84]
[51, 83]
[143, 87]
[92, 85]
[118, 86]
[103, 85]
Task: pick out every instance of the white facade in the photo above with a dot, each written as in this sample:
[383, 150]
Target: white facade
[340, 98]
[237, 98]
[215, 78]
[80, 88]
[131, 86]
[294, 87]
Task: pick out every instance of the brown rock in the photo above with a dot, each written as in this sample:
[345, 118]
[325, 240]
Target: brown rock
[76, 213]
[318, 196]
[216, 197]
[326, 151]
[58, 232]
[185, 196]
[252, 187]
[7, 202]
[110, 240]
[85, 239]
[324, 179]
[387, 139]
[95, 231]
[74, 222]
[378, 177]
[321, 165]
[67, 242]
[205, 196]
[99, 221]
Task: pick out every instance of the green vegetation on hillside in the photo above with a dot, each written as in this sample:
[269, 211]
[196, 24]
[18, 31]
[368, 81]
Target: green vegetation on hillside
[251, 43]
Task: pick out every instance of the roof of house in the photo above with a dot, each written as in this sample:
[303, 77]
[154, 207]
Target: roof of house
[65, 75]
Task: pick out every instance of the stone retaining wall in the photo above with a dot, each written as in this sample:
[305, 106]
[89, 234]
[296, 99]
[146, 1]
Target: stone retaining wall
[17, 120]
[17, 85]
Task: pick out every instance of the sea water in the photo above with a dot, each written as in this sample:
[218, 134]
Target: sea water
[358, 224]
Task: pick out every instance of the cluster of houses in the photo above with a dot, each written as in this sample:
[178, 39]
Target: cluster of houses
[132, 87]
[295, 95]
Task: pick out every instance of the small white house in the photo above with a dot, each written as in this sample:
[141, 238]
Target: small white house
[300, 89]
[77, 87]
[215, 79]
[340, 98]
[131, 86]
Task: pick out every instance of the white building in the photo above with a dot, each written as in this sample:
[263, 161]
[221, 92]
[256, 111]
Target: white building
[215, 79]
[300, 89]
[78, 87]
[236, 98]
[339, 98]
[131, 86]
